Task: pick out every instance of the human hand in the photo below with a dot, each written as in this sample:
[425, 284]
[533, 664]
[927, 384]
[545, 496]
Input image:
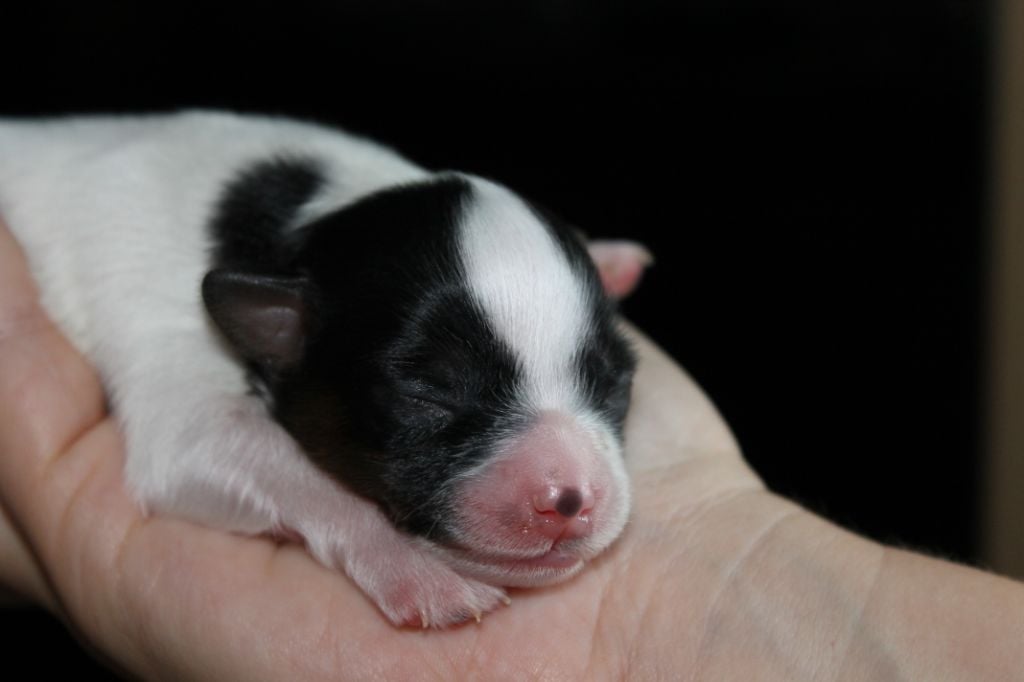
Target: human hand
[714, 578]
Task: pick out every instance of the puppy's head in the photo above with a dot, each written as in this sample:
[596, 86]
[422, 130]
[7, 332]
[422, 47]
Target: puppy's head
[443, 349]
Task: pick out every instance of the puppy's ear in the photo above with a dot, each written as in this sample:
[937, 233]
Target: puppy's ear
[266, 319]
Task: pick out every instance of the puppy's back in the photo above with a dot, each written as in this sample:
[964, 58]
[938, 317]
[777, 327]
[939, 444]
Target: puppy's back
[109, 208]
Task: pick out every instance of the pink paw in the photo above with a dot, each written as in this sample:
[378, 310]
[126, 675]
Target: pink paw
[406, 577]
[413, 586]
[438, 599]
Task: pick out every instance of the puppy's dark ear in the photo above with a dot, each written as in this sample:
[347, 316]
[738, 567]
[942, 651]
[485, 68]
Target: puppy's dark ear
[266, 319]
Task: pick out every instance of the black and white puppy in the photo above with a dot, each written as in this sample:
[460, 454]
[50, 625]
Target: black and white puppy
[301, 332]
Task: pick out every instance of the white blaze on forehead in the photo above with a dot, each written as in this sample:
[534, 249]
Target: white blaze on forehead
[522, 280]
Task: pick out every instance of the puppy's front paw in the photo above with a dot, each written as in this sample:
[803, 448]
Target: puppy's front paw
[438, 600]
[414, 588]
[406, 577]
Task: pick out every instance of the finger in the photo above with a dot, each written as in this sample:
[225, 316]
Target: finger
[48, 397]
[19, 571]
[48, 393]
[620, 264]
[680, 453]
[669, 413]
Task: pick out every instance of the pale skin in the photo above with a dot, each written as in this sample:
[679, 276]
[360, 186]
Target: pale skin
[715, 578]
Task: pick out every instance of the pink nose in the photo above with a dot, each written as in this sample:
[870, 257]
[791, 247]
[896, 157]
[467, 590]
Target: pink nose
[563, 511]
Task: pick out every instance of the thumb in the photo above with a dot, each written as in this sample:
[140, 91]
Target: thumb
[49, 397]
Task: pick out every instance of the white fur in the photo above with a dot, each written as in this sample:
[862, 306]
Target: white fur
[524, 284]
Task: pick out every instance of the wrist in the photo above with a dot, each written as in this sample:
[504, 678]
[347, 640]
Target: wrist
[791, 605]
[773, 591]
[752, 586]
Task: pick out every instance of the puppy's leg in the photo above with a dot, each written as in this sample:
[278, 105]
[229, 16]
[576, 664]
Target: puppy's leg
[202, 449]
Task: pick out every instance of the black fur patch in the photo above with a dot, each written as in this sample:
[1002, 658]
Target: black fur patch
[255, 210]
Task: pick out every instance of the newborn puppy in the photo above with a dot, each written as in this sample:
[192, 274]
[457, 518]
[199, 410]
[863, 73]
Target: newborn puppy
[302, 333]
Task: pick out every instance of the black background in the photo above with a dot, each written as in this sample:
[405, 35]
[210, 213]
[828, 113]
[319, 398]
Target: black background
[811, 176]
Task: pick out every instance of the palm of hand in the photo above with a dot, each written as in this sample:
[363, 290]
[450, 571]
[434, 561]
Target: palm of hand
[169, 599]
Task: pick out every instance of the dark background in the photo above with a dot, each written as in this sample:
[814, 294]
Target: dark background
[810, 175]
